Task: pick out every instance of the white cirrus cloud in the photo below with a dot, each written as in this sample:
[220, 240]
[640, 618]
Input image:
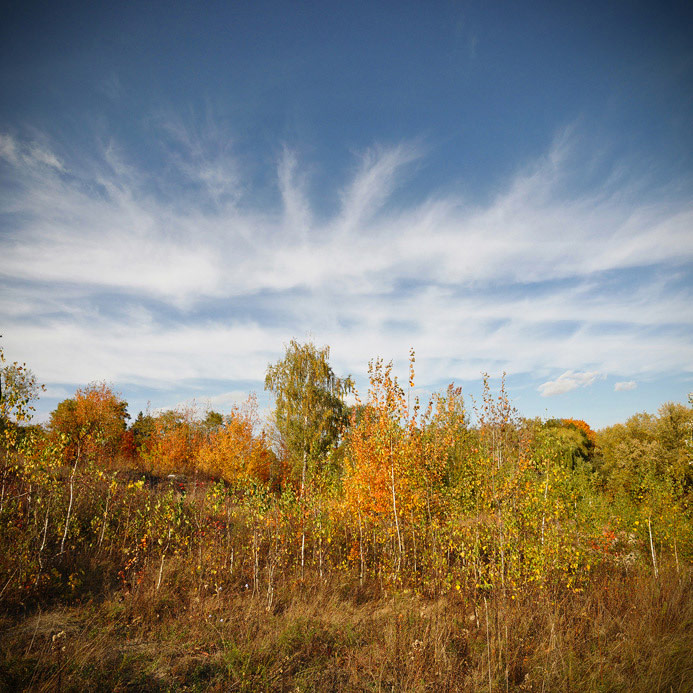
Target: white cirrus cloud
[28, 155]
[110, 271]
[103, 229]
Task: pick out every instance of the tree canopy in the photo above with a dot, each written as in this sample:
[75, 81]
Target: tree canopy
[310, 411]
[91, 422]
[18, 389]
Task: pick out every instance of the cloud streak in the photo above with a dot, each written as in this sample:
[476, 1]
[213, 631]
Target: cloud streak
[110, 274]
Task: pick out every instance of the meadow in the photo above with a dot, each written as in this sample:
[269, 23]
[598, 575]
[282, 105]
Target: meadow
[388, 545]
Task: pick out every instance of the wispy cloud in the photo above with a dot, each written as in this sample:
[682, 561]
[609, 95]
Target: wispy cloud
[375, 179]
[566, 382]
[27, 155]
[110, 272]
[297, 213]
[624, 385]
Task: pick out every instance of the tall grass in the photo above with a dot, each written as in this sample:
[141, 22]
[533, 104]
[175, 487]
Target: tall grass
[628, 633]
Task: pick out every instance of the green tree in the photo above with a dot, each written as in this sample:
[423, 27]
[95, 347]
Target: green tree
[310, 412]
[649, 450]
[571, 441]
[143, 427]
[673, 430]
[18, 389]
[213, 421]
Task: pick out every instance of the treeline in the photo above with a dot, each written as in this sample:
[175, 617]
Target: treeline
[389, 488]
[181, 515]
[93, 426]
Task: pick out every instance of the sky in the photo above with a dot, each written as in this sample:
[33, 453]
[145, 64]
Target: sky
[503, 187]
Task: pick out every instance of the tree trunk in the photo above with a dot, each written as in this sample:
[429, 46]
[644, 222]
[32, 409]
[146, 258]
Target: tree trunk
[394, 509]
[72, 487]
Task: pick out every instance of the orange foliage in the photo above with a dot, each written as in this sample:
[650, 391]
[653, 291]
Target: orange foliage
[377, 452]
[395, 456]
[368, 479]
[173, 444]
[234, 453]
[91, 424]
[393, 459]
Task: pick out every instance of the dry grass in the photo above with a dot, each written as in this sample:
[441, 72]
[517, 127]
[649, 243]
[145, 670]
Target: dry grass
[626, 632]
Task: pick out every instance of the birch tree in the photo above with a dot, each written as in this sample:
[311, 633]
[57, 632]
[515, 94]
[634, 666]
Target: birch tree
[310, 411]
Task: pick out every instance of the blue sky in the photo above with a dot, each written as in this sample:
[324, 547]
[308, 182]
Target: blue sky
[185, 187]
